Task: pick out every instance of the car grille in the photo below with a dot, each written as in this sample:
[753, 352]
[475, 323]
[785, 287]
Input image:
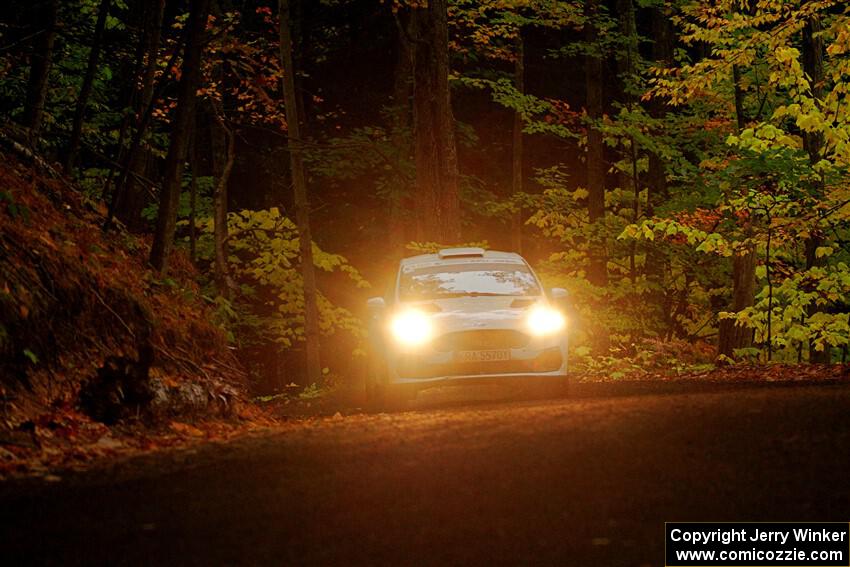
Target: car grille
[485, 339]
[548, 361]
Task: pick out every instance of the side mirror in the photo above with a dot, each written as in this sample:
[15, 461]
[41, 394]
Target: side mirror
[558, 293]
[376, 305]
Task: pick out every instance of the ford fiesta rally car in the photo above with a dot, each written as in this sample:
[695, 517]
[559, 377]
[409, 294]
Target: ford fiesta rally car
[462, 314]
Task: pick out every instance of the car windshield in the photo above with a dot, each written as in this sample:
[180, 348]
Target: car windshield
[466, 280]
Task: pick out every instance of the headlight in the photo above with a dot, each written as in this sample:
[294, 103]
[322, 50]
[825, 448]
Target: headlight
[411, 327]
[544, 320]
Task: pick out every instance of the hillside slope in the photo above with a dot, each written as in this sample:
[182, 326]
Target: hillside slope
[87, 328]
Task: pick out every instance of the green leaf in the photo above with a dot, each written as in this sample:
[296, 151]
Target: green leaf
[822, 251]
[31, 356]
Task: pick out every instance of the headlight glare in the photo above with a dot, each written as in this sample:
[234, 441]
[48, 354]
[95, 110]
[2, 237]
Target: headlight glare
[411, 327]
[543, 320]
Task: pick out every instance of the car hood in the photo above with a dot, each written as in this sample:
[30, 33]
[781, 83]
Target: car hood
[469, 313]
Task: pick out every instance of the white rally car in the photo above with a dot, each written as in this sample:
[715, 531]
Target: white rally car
[460, 314]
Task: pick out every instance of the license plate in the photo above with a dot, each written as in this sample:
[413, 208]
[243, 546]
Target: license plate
[482, 355]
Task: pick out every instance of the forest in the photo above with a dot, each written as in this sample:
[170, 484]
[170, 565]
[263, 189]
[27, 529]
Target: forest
[679, 166]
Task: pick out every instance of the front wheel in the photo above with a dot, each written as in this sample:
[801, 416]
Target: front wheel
[393, 397]
[380, 394]
[551, 387]
[376, 380]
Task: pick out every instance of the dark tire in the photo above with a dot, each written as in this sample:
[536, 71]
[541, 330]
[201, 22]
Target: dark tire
[552, 387]
[376, 380]
[380, 394]
[392, 397]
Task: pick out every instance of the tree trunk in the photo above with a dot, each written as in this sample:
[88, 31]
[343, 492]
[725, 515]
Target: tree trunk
[813, 66]
[130, 197]
[222, 269]
[402, 88]
[42, 58]
[627, 57]
[662, 53]
[85, 89]
[730, 335]
[302, 210]
[127, 189]
[740, 114]
[516, 161]
[193, 192]
[136, 197]
[437, 199]
[153, 35]
[628, 53]
[181, 129]
[299, 35]
[597, 272]
[657, 262]
[127, 98]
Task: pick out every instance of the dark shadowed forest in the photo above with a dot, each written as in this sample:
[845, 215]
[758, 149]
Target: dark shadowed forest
[221, 184]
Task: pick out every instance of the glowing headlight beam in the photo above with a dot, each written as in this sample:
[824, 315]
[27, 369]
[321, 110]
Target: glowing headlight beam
[545, 320]
[411, 327]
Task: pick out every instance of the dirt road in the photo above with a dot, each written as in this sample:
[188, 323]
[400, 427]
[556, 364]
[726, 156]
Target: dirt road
[587, 481]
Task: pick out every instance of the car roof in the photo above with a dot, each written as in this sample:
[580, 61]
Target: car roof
[461, 256]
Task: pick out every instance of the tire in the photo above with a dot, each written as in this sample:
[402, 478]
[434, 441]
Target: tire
[552, 387]
[376, 379]
[393, 397]
[380, 394]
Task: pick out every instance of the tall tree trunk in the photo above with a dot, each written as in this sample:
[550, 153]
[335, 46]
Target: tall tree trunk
[153, 32]
[135, 195]
[181, 130]
[302, 210]
[740, 114]
[222, 269]
[657, 262]
[402, 89]
[86, 88]
[130, 73]
[813, 66]
[597, 272]
[516, 150]
[42, 58]
[299, 35]
[437, 194]
[223, 150]
[730, 335]
[627, 57]
[662, 54]
[129, 197]
[193, 192]
[628, 53]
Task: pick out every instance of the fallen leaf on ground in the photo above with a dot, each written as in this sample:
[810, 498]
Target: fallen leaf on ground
[186, 429]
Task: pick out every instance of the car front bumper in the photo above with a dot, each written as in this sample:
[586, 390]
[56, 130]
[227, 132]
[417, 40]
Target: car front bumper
[545, 357]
